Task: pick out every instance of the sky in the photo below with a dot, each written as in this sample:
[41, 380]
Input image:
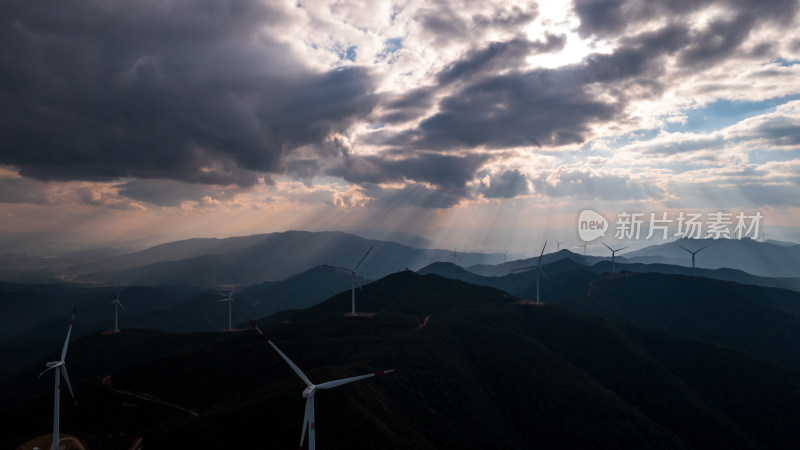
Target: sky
[485, 125]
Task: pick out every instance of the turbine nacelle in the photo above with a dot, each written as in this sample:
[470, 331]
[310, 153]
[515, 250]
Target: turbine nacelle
[309, 391]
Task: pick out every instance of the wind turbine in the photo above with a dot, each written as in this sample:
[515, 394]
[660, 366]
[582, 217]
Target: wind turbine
[693, 253]
[353, 282]
[311, 389]
[558, 245]
[455, 254]
[538, 268]
[613, 252]
[425, 259]
[230, 304]
[117, 305]
[60, 366]
[584, 248]
[504, 256]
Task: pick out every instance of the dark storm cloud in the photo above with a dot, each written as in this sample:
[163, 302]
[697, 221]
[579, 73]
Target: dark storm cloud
[443, 171]
[498, 56]
[185, 90]
[780, 131]
[541, 107]
[508, 184]
[171, 192]
[717, 41]
[445, 21]
[700, 47]
[610, 18]
[403, 108]
[478, 63]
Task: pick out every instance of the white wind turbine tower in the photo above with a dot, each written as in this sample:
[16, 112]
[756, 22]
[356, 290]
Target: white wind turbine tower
[353, 282]
[230, 306]
[60, 367]
[613, 253]
[538, 268]
[693, 253]
[117, 305]
[311, 389]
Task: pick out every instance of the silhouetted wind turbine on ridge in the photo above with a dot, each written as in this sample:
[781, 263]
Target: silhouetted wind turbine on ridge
[230, 306]
[538, 268]
[693, 253]
[117, 305]
[353, 280]
[613, 253]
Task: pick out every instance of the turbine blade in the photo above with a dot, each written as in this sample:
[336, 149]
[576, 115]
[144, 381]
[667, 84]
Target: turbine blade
[306, 416]
[621, 249]
[339, 268]
[679, 245]
[333, 384]
[698, 250]
[66, 341]
[606, 245]
[66, 378]
[541, 254]
[48, 369]
[122, 306]
[285, 358]
[230, 296]
[363, 258]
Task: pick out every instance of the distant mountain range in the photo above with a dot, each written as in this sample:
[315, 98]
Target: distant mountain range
[765, 259]
[32, 313]
[564, 260]
[259, 258]
[277, 256]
